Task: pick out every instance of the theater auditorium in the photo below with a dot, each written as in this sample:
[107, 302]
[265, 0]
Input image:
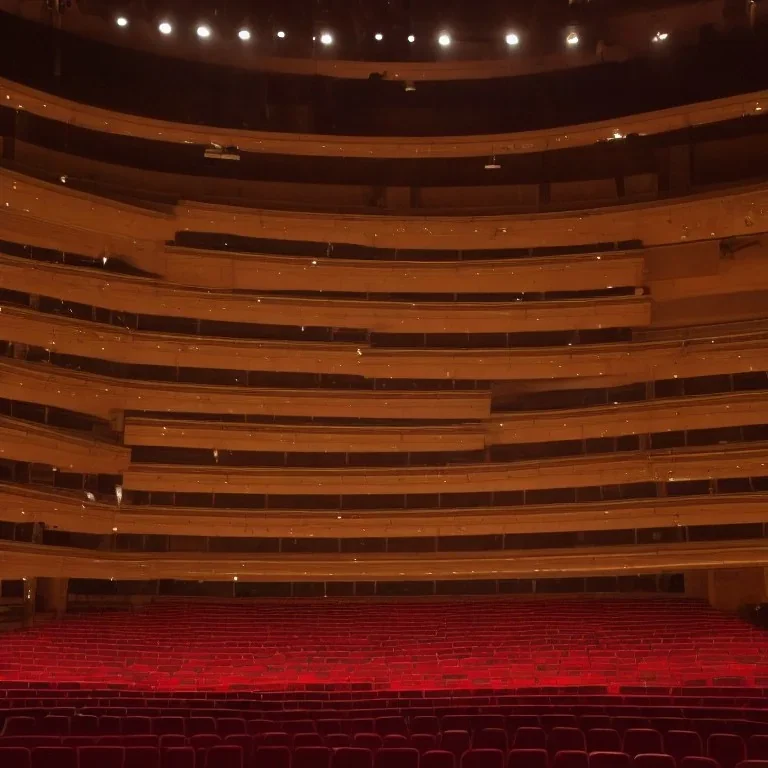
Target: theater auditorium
[383, 384]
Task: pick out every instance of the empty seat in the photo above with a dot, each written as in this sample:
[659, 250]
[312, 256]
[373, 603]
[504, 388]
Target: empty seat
[110, 725]
[307, 740]
[570, 758]
[371, 741]
[197, 725]
[79, 741]
[481, 722]
[491, 738]
[352, 757]
[424, 742]
[104, 757]
[681, 744]
[136, 725]
[391, 724]
[168, 725]
[177, 757]
[515, 722]
[455, 742]
[665, 724]
[397, 757]
[549, 722]
[757, 747]
[698, 762]
[753, 764]
[565, 738]
[19, 725]
[226, 726]
[528, 758]
[244, 741]
[590, 722]
[326, 726]
[530, 738]
[311, 757]
[456, 723]
[395, 741]
[653, 761]
[603, 740]
[224, 756]
[336, 740]
[55, 725]
[272, 757]
[276, 739]
[726, 749]
[482, 758]
[258, 726]
[84, 725]
[299, 726]
[437, 758]
[54, 757]
[639, 741]
[30, 742]
[623, 723]
[204, 740]
[609, 760]
[360, 725]
[141, 757]
[171, 740]
[15, 757]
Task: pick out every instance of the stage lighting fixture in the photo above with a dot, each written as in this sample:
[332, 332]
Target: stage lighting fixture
[281, 34]
[512, 39]
[165, 28]
[121, 21]
[572, 39]
[378, 37]
[244, 35]
[411, 38]
[326, 38]
[444, 39]
[203, 31]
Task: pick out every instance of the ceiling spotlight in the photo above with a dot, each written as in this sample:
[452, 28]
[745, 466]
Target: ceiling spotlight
[378, 37]
[512, 39]
[281, 34]
[121, 21]
[244, 35]
[203, 32]
[326, 38]
[572, 39]
[411, 38]
[444, 39]
[660, 37]
[165, 28]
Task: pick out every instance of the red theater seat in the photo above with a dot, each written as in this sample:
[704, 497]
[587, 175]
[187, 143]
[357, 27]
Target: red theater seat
[177, 757]
[757, 747]
[530, 738]
[84, 725]
[307, 740]
[371, 741]
[491, 738]
[398, 757]
[294, 727]
[336, 740]
[19, 725]
[172, 740]
[106, 757]
[653, 761]
[565, 738]
[681, 744]
[423, 742]
[609, 760]
[196, 725]
[528, 758]
[204, 741]
[639, 741]
[54, 757]
[163, 726]
[272, 757]
[482, 758]
[395, 741]
[603, 740]
[352, 757]
[224, 756]
[55, 725]
[15, 757]
[277, 739]
[726, 749]
[437, 758]
[227, 726]
[698, 762]
[570, 758]
[392, 724]
[141, 757]
[311, 757]
[425, 724]
[455, 742]
[136, 725]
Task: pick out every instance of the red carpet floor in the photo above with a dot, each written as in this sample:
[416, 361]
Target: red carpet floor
[501, 643]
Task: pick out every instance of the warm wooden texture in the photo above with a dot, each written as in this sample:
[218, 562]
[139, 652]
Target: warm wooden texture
[640, 361]
[663, 121]
[569, 472]
[73, 512]
[303, 438]
[18, 559]
[739, 211]
[102, 396]
[151, 297]
[64, 449]
[614, 420]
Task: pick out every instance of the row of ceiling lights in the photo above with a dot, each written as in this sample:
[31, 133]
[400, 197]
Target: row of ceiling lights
[512, 39]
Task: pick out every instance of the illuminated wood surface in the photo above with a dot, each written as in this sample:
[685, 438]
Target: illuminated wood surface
[73, 512]
[568, 472]
[18, 559]
[54, 108]
[144, 296]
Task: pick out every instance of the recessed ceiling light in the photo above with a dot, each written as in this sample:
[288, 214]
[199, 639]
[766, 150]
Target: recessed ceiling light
[378, 36]
[165, 28]
[244, 35]
[411, 38]
[121, 21]
[326, 38]
[281, 34]
[203, 31]
[512, 38]
[572, 39]
[444, 39]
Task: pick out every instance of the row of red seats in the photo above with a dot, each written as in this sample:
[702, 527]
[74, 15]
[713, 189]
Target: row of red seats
[727, 749]
[231, 756]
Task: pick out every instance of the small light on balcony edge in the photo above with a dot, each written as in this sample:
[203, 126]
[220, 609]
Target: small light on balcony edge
[326, 38]
[444, 39]
[281, 34]
[411, 38]
[165, 28]
[121, 21]
[572, 39]
[203, 31]
[244, 35]
[660, 37]
[512, 39]
[378, 37]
